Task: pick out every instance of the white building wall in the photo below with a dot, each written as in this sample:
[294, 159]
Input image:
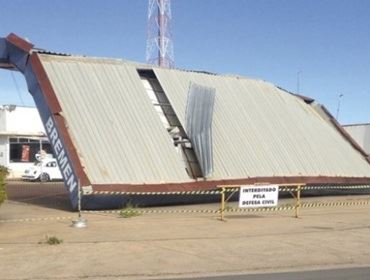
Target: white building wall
[2, 119]
[4, 150]
[18, 122]
[361, 134]
[24, 120]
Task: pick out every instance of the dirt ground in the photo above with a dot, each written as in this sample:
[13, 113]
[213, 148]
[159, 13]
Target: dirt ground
[174, 245]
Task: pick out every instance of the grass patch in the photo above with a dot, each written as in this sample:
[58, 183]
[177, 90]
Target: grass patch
[51, 240]
[3, 172]
[129, 211]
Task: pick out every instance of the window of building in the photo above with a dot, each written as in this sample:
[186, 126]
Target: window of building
[25, 149]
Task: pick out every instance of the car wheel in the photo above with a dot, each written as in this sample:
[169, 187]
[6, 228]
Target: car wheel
[44, 177]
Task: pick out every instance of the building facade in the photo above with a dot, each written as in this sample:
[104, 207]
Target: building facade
[22, 136]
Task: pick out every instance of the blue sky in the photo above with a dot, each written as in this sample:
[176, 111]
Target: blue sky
[328, 42]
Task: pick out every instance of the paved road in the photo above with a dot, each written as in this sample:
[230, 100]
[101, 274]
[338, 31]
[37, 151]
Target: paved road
[335, 274]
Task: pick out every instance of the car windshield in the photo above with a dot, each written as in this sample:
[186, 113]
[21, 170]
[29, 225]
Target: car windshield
[37, 163]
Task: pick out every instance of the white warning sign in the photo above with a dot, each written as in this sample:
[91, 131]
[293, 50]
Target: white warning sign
[252, 196]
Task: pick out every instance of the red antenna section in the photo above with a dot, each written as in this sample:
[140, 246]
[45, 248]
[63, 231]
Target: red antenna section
[159, 44]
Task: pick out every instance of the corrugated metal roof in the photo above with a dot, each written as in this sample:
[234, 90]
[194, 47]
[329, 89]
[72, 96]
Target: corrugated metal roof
[262, 131]
[112, 122]
[361, 134]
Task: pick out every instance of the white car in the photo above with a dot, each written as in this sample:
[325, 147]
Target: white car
[45, 170]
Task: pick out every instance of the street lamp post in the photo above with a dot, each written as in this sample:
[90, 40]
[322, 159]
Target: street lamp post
[298, 81]
[338, 106]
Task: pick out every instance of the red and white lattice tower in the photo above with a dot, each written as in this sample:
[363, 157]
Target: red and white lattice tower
[159, 44]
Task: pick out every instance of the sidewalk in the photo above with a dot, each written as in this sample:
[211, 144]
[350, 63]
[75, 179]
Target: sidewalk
[181, 245]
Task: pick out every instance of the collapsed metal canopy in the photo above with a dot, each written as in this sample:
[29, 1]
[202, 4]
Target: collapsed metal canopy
[107, 134]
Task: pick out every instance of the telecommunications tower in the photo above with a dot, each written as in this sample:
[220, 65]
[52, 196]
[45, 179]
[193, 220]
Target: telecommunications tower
[159, 44]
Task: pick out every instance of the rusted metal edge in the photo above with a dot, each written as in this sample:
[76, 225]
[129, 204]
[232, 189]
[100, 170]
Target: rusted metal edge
[341, 130]
[207, 185]
[306, 99]
[54, 105]
[19, 52]
[45, 84]
[345, 134]
[19, 42]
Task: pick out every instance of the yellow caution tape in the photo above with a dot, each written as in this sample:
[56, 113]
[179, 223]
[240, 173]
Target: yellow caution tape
[334, 203]
[153, 193]
[287, 207]
[305, 188]
[154, 211]
[227, 190]
[281, 208]
[36, 219]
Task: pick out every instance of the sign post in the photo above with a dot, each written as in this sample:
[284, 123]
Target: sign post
[298, 201]
[263, 195]
[222, 203]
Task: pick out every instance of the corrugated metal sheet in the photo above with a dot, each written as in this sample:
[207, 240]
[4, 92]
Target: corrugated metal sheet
[361, 134]
[199, 113]
[260, 130]
[117, 133]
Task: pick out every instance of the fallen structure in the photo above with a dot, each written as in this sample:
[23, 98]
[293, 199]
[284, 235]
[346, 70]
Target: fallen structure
[122, 126]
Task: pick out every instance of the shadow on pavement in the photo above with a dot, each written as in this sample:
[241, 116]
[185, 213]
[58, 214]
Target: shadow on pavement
[53, 195]
[49, 195]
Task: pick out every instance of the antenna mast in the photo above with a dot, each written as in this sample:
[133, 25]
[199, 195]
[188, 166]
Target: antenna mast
[159, 44]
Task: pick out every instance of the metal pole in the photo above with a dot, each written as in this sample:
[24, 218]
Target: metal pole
[161, 33]
[222, 203]
[338, 106]
[298, 81]
[40, 152]
[298, 201]
[79, 199]
[80, 222]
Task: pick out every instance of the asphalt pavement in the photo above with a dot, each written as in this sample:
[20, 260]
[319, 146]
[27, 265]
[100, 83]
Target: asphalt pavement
[362, 273]
[178, 242]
